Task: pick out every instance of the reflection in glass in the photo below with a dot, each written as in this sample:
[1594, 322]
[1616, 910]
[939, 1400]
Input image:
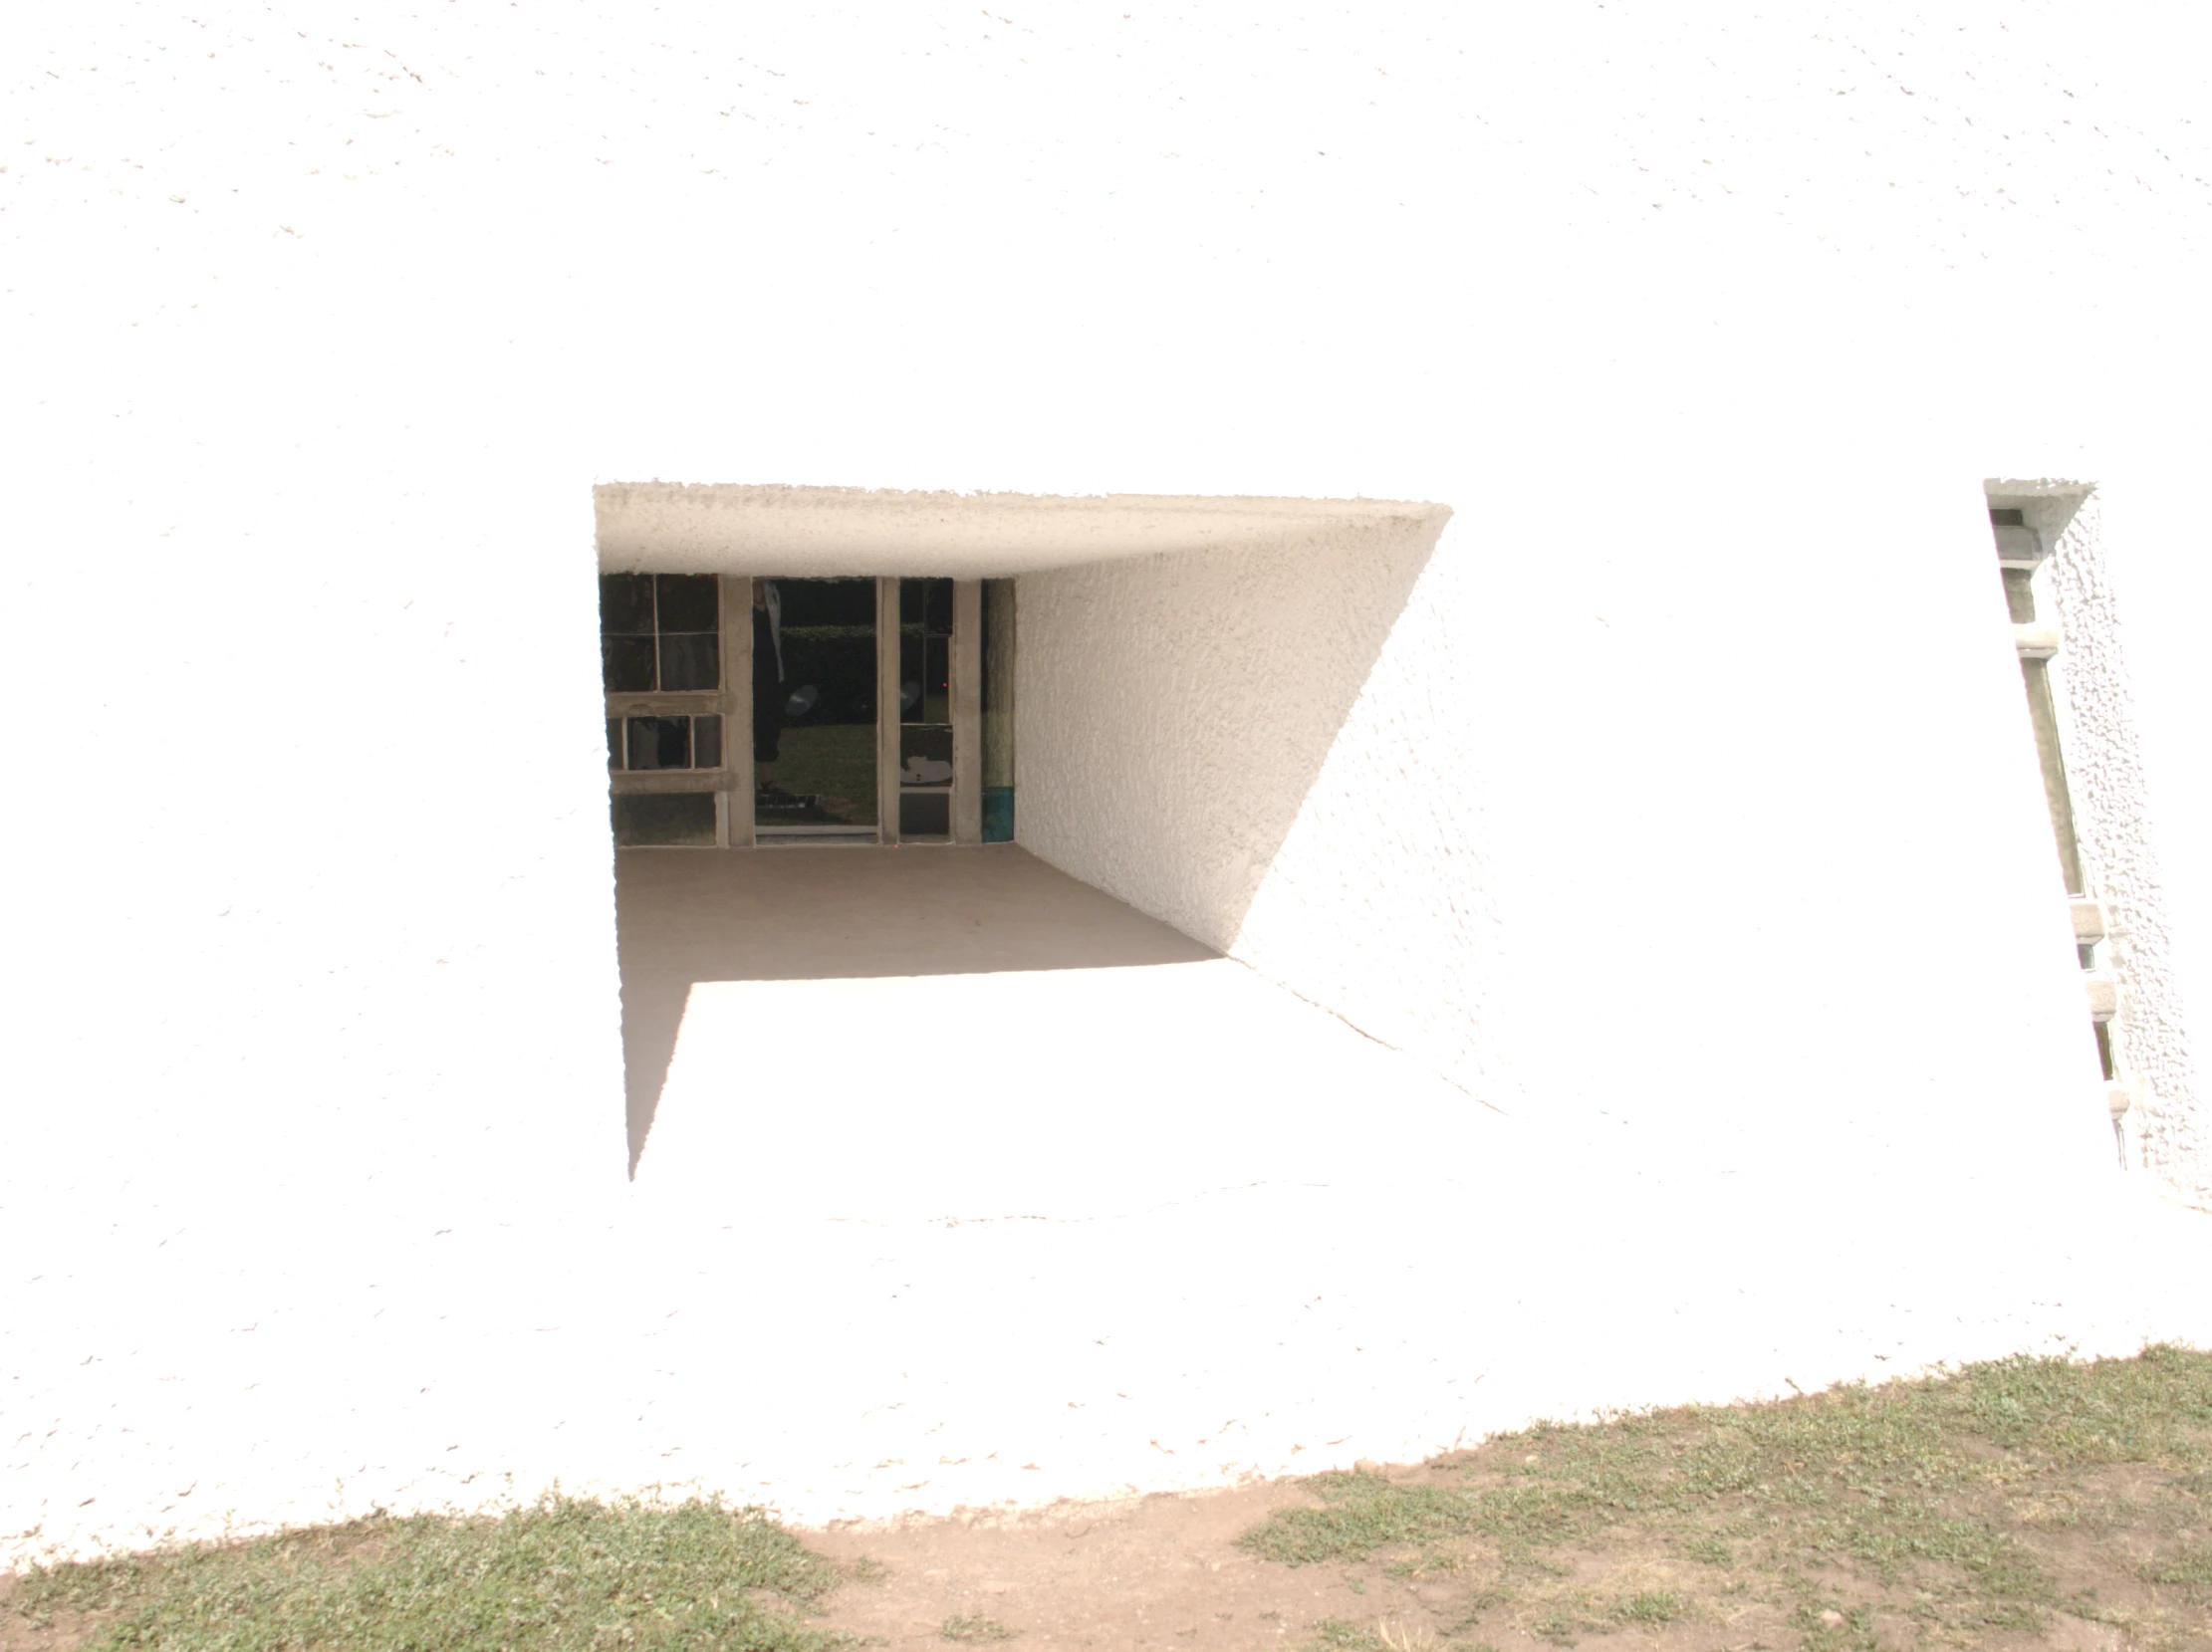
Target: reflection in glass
[926, 708]
[661, 743]
[688, 662]
[706, 741]
[926, 650]
[998, 711]
[924, 755]
[682, 611]
[625, 605]
[814, 704]
[627, 664]
[686, 603]
[936, 680]
[909, 675]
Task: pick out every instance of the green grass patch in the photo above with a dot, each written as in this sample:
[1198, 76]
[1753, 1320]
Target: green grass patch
[974, 1629]
[564, 1574]
[1949, 1505]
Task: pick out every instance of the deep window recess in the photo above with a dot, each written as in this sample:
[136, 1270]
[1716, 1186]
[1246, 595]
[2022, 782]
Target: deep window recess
[659, 633]
[2021, 551]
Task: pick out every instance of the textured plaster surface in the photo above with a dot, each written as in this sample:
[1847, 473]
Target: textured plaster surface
[1681, 807]
[2165, 1129]
[819, 531]
[1178, 1229]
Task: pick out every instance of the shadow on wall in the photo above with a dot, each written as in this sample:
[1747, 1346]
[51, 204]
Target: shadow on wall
[1176, 710]
[685, 916]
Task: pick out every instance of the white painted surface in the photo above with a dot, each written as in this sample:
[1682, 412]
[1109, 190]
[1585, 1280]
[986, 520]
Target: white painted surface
[323, 324]
[827, 532]
[2165, 1129]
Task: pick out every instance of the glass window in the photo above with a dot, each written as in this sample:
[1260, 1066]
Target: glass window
[660, 632]
[813, 705]
[659, 743]
[664, 817]
[625, 605]
[924, 813]
[925, 754]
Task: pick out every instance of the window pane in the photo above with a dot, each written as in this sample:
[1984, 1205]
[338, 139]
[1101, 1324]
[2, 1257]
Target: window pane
[814, 732]
[627, 664]
[625, 605]
[998, 711]
[936, 682]
[706, 741]
[690, 662]
[924, 755]
[836, 602]
[660, 742]
[685, 818]
[687, 602]
[614, 742]
[926, 814]
[909, 675]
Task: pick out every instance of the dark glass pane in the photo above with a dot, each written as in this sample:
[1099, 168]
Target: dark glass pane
[690, 662]
[687, 602]
[625, 605]
[627, 664]
[926, 814]
[936, 606]
[936, 683]
[924, 755]
[909, 675]
[813, 733]
[706, 741]
[912, 597]
[998, 696]
[664, 817]
[660, 742]
[828, 602]
[614, 744]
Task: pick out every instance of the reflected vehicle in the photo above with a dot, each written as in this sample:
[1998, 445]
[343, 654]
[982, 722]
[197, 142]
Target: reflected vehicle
[814, 706]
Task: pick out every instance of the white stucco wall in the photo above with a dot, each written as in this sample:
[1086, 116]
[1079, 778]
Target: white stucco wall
[2165, 1130]
[1687, 799]
[1727, 785]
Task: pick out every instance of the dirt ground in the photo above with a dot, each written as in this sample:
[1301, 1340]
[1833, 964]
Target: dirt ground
[1166, 1571]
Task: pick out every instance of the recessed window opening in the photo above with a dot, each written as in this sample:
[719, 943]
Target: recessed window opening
[2024, 534]
[750, 711]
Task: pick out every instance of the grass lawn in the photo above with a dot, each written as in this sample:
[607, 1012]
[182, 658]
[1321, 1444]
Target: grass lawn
[2025, 1503]
[1986, 1507]
[565, 1574]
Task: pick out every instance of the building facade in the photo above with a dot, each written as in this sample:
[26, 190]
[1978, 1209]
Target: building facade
[1515, 539]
